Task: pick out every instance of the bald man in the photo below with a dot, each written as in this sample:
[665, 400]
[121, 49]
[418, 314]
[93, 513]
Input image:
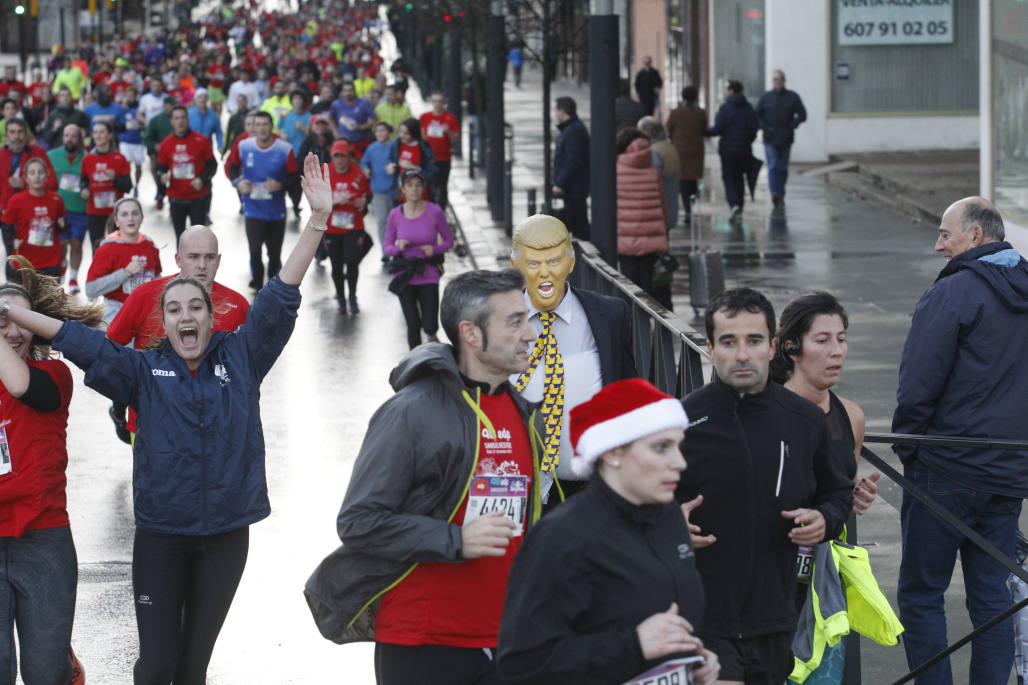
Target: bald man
[963, 374]
[593, 342]
[140, 320]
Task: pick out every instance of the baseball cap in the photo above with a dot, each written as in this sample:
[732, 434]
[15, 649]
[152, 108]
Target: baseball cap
[340, 147]
[411, 173]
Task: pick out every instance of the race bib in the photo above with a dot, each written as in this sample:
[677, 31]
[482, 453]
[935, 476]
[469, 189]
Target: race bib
[104, 199]
[673, 672]
[182, 170]
[341, 219]
[69, 182]
[347, 123]
[508, 494]
[804, 563]
[5, 453]
[41, 233]
[259, 192]
[436, 130]
[139, 279]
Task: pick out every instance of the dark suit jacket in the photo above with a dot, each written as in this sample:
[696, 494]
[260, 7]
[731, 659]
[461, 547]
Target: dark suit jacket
[611, 325]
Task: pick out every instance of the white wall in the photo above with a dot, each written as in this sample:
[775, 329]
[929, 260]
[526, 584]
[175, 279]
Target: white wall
[797, 43]
[895, 134]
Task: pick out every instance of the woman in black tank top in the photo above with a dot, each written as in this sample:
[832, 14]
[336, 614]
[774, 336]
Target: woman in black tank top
[811, 354]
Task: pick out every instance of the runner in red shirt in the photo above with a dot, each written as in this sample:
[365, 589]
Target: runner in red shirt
[34, 217]
[186, 164]
[441, 130]
[445, 487]
[346, 240]
[106, 176]
[124, 261]
[40, 566]
[10, 82]
[139, 321]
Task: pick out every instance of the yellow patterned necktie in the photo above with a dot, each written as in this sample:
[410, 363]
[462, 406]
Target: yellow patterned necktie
[547, 352]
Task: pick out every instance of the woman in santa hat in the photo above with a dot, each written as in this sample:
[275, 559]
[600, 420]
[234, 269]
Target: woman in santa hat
[605, 590]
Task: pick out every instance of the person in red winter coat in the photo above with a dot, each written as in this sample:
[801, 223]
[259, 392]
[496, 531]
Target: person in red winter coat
[642, 210]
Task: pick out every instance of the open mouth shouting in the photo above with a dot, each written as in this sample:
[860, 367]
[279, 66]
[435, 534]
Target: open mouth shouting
[189, 336]
[546, 289]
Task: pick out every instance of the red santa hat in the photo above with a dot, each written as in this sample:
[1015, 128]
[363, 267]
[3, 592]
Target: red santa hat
[620, 413]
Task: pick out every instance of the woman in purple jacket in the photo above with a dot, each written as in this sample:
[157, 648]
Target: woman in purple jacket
[417, 236]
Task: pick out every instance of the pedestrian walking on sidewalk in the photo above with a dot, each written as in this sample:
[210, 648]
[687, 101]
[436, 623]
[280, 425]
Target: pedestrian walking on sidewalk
[687, 127]
[779, 112]
[648, 84]
[963, 374]
[417, 236]
[198, 458]
[37, 552]
[571, 168]
[736, 124]
[642, 213]
[426, 550]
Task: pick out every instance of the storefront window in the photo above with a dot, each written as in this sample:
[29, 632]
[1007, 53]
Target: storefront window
[739, 48]
[904, 57]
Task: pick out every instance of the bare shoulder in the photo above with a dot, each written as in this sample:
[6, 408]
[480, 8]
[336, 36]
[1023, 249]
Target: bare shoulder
[856, 414]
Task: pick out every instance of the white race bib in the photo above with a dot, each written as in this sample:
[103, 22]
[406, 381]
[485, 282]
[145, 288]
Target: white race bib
[508, 494]
[69, 182]
[673, 672]
[104, 199]
[41, 233]
[259, 192]
[341, 219]
[139, 279]
[436, 130]
[183, 170]
[5, 453]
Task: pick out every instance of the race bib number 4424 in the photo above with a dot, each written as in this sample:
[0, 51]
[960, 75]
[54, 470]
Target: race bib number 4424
[508, 494]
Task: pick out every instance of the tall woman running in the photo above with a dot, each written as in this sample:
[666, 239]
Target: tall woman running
[125, 259]
[198, 458]
[813, 348]
[418, 233]
[106, 176]
[37, 593]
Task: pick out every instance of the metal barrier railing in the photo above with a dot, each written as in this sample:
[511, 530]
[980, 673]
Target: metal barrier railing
[671, 354]
[668, 352]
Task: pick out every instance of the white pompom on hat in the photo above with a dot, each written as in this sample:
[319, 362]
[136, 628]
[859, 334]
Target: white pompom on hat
[620, 413]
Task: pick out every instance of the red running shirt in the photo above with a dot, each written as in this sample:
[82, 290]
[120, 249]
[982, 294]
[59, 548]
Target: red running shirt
[436, 129]
[346, 189]
[101, 170]
[35, 222]
[33, 457]
[115, 253]
[459, 605]
[185, 158]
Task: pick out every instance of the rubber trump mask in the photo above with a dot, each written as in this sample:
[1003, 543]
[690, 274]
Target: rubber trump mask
[541, 250]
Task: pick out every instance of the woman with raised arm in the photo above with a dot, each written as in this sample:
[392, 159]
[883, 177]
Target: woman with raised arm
[37, 552]
[198, 458]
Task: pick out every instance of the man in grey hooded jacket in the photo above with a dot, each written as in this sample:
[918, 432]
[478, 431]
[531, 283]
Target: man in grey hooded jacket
[422, 519]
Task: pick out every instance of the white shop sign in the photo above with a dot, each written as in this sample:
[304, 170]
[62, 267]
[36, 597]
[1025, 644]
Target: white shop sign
[894, 22]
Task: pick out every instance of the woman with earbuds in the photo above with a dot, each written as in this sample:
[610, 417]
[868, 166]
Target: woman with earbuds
[812, 351]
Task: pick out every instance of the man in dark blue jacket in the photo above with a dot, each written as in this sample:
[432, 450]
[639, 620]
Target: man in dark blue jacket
[963, 374]
[779, 112]
[571, 168]
[736, 123]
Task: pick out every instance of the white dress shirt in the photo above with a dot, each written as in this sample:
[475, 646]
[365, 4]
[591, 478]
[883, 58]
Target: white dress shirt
[582, 377]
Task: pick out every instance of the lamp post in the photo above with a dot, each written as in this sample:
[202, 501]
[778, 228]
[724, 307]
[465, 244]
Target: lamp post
[604, 56]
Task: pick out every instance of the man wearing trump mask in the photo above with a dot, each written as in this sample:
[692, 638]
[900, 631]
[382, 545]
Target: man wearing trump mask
[584, 342]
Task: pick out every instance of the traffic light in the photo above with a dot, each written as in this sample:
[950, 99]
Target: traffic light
[19, 8]
[409, 6]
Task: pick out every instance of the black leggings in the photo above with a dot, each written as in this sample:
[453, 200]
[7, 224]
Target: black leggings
[183, 586]
[270, 234]
[195, 210]
[97, 226]
[344, 252]
[688, 188]
[420, 305]
[433, 664]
